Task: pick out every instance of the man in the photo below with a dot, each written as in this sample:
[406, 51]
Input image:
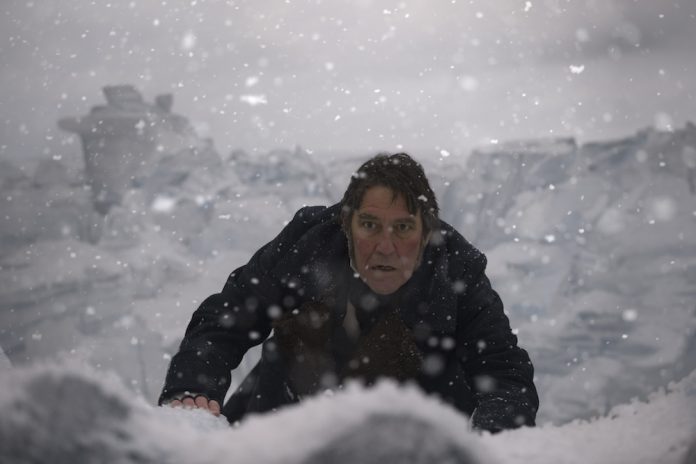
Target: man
[373, 287]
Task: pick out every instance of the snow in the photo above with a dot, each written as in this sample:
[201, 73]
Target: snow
[591, 246]
[74, 414]
[5, 364]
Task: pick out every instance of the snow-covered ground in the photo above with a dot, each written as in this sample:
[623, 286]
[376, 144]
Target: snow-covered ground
[70, 413]
[592, 247]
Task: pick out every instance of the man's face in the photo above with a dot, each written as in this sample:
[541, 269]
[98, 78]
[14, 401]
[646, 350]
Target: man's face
[387, 240]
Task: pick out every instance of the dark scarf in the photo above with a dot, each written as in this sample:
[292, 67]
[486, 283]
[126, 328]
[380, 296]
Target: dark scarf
[370, 306]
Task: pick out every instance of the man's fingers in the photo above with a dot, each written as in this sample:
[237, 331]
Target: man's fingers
[214, 407]
[174, 404]
[201, 402]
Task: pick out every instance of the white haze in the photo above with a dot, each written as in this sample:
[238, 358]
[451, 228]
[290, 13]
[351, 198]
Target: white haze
[353, 75]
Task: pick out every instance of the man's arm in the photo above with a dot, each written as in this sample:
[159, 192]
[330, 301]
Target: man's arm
[221, 330]
[500, 372]
[228, 323]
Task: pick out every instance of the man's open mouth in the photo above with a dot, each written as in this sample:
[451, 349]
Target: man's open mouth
[380, 267]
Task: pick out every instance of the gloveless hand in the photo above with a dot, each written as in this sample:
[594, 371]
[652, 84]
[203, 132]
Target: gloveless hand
[199, 402]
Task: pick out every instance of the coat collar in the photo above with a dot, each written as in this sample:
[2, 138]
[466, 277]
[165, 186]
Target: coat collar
[318, 268]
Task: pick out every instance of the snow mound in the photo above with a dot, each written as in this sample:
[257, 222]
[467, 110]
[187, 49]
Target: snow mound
[659, 430]
[65, 415]
[68, 414]
[392, 438]
[71, 415]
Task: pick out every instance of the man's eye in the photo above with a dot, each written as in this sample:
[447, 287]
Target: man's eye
[403, 227]
[369, 225]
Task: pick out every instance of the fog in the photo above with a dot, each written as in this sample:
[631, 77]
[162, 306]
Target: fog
[352, 75]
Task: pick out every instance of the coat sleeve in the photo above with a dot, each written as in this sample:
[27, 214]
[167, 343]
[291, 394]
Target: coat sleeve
[499, 372]
[228, 323]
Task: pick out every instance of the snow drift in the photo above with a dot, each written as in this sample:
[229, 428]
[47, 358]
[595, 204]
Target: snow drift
[68, 414]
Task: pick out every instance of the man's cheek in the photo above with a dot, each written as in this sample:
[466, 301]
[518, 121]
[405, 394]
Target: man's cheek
[409, 252]
[362, 252]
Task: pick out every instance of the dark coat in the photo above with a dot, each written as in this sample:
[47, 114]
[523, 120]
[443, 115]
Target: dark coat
[460, 340]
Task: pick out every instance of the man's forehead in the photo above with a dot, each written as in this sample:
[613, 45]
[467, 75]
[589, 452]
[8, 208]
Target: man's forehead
[370, 213]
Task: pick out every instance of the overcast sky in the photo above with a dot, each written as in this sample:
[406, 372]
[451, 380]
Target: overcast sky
[354, 75]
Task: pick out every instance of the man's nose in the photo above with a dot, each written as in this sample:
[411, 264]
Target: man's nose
[385, 244]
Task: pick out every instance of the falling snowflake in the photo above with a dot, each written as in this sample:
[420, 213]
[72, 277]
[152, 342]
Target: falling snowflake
[188, 41]
[254, 100]
[163, 204]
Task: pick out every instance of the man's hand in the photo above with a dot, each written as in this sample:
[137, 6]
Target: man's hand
[199, 402]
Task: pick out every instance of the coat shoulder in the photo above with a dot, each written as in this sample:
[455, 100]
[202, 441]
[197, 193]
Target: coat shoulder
[310, 216]
[463, 257]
